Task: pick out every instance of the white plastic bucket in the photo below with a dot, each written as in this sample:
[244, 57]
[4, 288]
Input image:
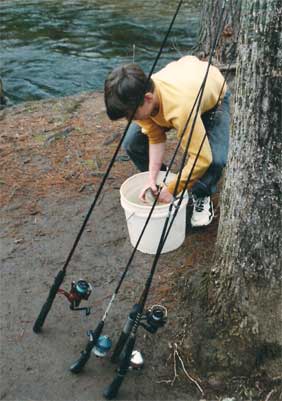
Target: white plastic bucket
[136, 213]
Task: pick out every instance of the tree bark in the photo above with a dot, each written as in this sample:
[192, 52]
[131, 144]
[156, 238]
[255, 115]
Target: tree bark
[226, 49]
[238, 322]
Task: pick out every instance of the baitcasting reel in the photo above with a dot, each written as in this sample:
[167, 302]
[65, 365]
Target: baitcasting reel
[79, 291]
[155, 317]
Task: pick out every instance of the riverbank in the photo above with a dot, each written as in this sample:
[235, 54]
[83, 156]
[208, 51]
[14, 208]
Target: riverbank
[53, 156]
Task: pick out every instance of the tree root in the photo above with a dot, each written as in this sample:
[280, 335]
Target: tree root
[176, 356]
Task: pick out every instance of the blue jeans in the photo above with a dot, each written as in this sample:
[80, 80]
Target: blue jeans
[216, 122]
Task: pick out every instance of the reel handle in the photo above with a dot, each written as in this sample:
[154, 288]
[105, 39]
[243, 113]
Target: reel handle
[78, 365]
[48, 304]
[125, 333]
[112, 390]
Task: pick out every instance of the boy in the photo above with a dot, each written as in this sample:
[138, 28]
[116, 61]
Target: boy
[165, 102]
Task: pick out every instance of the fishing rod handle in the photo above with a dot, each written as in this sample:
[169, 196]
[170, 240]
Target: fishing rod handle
[112, 390]
[48, 304]
[78, 365]
[125, 333]
[119, 346]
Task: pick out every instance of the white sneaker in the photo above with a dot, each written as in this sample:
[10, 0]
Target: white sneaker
[202, 211]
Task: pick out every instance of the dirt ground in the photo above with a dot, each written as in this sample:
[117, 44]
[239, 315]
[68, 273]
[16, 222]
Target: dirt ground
[53, 156]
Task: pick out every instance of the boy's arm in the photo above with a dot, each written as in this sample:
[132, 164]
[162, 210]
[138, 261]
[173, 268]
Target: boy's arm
[156, 155]
[157, 138]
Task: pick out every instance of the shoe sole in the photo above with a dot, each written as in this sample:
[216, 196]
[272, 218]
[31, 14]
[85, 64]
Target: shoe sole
[203, 225]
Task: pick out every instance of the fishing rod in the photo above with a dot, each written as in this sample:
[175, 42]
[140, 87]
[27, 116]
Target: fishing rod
[135, 318]
[95, 342]
[130, 321]
[156, 316]
[58, 280]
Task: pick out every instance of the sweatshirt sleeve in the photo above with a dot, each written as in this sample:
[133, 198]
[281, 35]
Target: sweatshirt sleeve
[205, 156]
[155, 133]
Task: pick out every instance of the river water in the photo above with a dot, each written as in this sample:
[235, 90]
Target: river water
[55, 48]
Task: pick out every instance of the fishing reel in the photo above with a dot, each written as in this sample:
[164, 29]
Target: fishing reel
[155, 317]
[103, 346]
[80, 291]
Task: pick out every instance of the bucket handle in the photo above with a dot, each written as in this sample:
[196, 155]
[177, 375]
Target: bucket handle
[132, 214]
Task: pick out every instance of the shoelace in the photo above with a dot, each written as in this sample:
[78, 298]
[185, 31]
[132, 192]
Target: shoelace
[199, 204]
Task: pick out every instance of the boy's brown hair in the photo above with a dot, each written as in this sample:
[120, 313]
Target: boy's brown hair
[124, 90]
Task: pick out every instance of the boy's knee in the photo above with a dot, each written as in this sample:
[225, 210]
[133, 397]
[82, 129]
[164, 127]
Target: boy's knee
[126, 143]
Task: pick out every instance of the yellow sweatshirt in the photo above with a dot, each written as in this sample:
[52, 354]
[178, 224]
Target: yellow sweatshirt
[177, 86]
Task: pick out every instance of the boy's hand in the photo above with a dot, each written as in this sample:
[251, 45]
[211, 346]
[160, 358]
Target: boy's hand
[154, 190]
[164, 197]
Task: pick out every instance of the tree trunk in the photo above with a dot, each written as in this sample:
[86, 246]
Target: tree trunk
[239, 320]
[226, 49]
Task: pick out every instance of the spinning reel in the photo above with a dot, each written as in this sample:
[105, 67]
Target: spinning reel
[79, 291]
[155, 317]
[103, 346]
[151, 320]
